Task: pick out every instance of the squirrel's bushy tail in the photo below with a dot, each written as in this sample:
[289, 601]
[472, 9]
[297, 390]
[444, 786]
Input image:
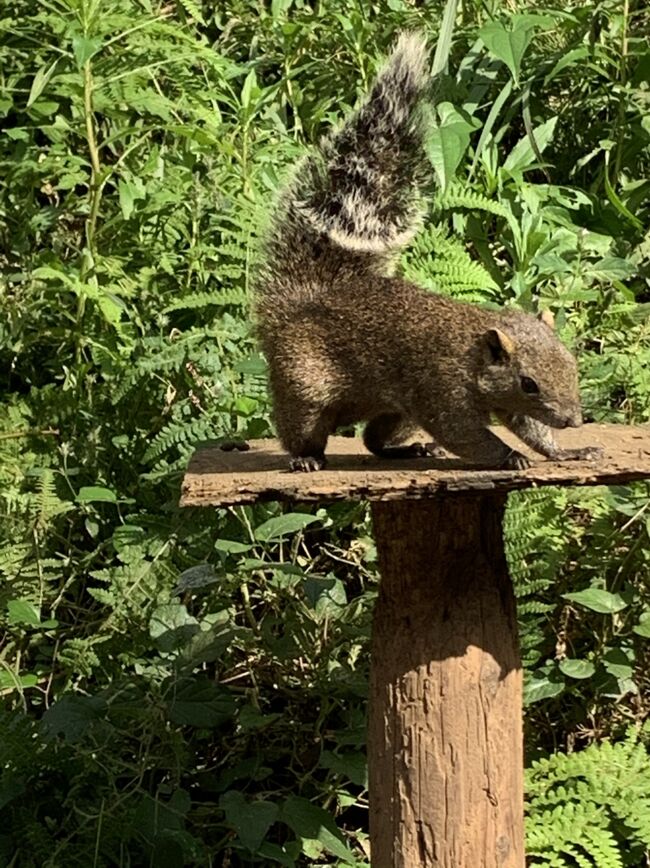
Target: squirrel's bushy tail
[359, 190]
[360, 193]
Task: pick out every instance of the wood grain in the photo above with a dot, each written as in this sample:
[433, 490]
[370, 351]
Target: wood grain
[215, 477]
[445, 735]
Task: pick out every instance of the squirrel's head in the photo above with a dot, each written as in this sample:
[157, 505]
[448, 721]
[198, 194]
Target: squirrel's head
[527, 371]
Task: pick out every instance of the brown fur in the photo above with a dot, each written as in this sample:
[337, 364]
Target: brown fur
[346, 342]
[382, 350]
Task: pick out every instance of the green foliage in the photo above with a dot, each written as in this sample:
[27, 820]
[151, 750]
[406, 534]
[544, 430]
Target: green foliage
[579, 561]
[188, 688]
[590, 808]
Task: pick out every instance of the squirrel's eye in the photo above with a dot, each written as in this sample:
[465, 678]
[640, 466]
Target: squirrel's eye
[529, 386]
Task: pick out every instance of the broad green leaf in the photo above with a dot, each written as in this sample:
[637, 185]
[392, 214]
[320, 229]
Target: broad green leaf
[232, 547]
[625, 685]
[199, 702]
[313, 850]
[574, 668]
[84, 48]
[129, 190]
[281, 525]
[23, 612]
[568, 59]
[72, 715]
[14, 681]
[48, 273]
[522, 156]
[313, 823]
[598, 600]
[612, 268]
[253, 564]
[285, 854]
[643, 627]
[246, 406]
[171, 626]
[209, 644]
[250, 91]
[448, 141]
[350, 764]
[192, 578]
[622, 499]
[537, 688]
[251, 819]
[161, 821]
[40, 81]
[251, 718]
[508, 42]
[326, 595]
[112, 308]
[17, 134]
[618, 664]
[279, 8]
[96, 494]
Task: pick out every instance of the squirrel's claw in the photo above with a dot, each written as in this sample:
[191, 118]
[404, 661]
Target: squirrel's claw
[435, 451]
[410, 450]
[584, 453]
[515, 461]
[415, 450]
[307, 464]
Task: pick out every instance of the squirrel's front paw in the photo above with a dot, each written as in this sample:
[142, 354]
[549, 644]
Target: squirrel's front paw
[307, 464]
[515, 461]
[434, 451]
[585, 453]
[416, 450]
[234, 445]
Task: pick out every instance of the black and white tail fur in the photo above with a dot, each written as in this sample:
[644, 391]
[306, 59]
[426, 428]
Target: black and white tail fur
[358, 193]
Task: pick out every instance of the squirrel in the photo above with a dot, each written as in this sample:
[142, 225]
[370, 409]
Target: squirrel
[347, 341]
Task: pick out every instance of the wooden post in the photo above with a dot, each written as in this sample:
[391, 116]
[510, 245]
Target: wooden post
[445, 751]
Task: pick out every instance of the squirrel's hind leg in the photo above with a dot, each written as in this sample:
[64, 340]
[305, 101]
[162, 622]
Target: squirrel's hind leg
[384, 436]
[303, 431]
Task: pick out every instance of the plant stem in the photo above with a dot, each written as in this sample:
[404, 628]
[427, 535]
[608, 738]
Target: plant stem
[622, 84]
[96, 187]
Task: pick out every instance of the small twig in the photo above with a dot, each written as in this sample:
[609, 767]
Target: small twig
[28, 432]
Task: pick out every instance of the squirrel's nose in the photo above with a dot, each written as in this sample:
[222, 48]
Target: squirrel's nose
[574, 420]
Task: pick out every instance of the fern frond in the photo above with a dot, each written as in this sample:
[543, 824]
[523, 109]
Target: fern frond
[220, 298]
[457, 197]
[442, 263]
[592, 806]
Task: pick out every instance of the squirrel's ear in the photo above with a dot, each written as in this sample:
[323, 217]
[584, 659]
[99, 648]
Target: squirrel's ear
[547, 318]
[501, 346]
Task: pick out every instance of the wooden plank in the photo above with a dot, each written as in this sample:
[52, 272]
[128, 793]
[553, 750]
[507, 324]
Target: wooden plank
[217, 478]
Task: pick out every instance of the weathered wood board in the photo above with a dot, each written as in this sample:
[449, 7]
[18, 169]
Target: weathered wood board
[215, 477]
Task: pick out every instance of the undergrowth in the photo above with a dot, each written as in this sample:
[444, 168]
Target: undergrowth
[189, 688]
